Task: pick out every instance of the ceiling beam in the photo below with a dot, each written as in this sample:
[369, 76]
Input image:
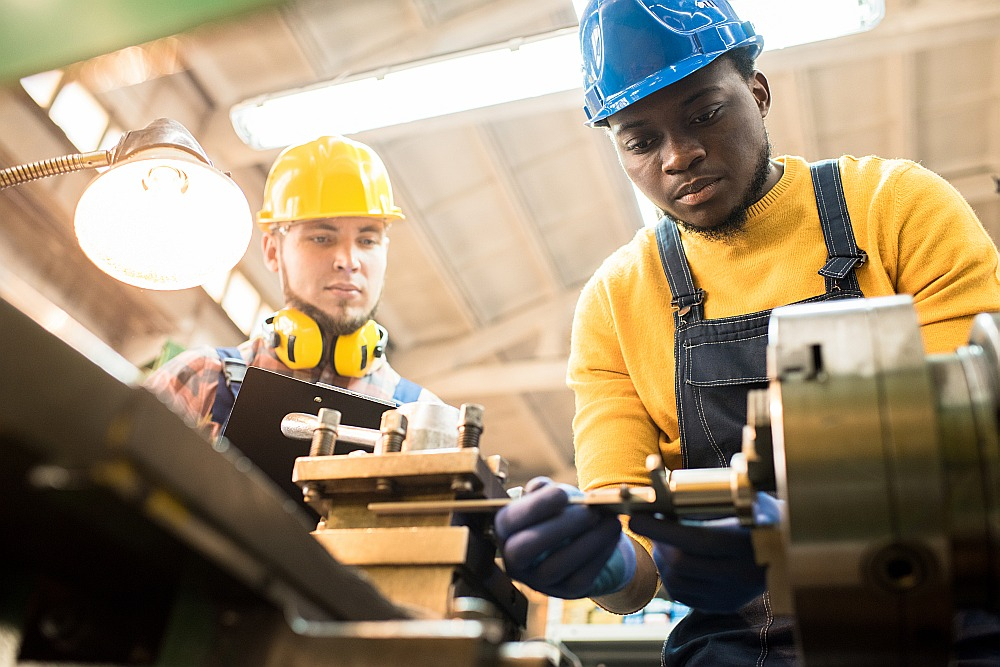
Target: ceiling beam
[428, 361]
[902, 122]
[800, 122]
[993, 126]
[521, 222]
[501, 378]
[450, 282]
[978, 188]
[626, 220]
[908, 31]
[544, 445]
[504, 20]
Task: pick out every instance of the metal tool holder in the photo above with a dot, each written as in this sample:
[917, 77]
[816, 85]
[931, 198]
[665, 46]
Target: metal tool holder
[442, 562]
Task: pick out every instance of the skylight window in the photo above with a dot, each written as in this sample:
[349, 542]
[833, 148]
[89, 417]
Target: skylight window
[43, 86]
[80, 116]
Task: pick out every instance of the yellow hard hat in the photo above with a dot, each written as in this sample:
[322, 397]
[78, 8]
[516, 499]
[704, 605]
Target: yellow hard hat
[330, 177]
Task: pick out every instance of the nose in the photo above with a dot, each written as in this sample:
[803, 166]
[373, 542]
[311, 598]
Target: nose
[680, 152]
[345, 258]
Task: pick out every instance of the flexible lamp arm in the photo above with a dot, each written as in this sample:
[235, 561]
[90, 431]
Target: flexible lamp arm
[52, 167]
[162, 132]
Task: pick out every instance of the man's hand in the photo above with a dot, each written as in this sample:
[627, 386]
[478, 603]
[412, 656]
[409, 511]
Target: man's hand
[709, 565]
[567, 551]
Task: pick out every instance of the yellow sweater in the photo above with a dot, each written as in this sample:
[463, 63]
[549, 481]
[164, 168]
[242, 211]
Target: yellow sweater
[921, 237]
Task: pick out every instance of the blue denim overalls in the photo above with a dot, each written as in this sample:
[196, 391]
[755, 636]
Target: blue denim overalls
[716, 363]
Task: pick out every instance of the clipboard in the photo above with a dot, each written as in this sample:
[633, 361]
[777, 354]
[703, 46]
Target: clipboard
[265, 397]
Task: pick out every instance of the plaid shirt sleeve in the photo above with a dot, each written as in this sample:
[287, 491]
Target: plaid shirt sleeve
[187, 385]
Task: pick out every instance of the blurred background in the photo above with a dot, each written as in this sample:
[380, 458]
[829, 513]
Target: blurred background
[510, 207]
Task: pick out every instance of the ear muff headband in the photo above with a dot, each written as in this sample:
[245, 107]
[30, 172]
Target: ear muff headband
[354, 354]
[298, 341]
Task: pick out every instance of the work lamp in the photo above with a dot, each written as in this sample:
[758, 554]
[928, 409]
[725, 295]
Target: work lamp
[162, 216]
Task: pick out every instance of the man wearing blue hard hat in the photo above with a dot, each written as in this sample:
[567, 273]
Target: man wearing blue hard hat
[670, 333]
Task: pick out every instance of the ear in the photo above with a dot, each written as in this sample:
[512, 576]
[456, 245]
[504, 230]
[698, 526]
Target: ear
[761, 91]
[271, 247]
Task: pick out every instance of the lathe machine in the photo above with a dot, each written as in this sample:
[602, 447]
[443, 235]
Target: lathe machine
[132, 540]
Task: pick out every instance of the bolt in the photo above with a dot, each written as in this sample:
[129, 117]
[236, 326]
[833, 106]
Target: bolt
[325, 434]
[310, 493]
[461, 486]
[470, 425]
[902, 568]
[393, 429]
[499, 466]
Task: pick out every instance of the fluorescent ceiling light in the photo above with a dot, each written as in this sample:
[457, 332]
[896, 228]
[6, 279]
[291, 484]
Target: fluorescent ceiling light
[785, 23]
[495, 75]
[413, 92]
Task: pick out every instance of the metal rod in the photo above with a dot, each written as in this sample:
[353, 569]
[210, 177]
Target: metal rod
[300, 426]
[614, 500]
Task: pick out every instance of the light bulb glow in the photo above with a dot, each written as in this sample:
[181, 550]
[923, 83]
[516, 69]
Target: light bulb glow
[163, 223]
[166, 180]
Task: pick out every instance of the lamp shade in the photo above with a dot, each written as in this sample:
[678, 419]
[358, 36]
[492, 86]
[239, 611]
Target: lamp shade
[163, 219]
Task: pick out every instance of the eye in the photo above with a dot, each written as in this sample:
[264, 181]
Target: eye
[707, 116]
[369, 241]
[321, 239]
[639, 145]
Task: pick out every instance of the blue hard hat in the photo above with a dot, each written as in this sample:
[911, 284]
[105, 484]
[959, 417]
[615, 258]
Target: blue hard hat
[632, 48]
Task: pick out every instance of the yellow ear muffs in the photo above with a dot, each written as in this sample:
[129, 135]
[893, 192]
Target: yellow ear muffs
[296, 338]
[354, 354]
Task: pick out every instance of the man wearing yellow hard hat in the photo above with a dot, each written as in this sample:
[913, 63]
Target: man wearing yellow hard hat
[327, 208]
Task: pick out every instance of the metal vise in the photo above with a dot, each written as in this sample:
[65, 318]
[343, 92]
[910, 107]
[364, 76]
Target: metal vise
[443, 563]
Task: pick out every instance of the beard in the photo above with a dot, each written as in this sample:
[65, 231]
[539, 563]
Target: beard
[732, 225]
[330, 326]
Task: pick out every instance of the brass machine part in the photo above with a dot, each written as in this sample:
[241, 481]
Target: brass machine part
[677, 494]
[431, 561]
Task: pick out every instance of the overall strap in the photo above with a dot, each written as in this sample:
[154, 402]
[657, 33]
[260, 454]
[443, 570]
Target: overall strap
[228, 387]
[843, 253]
[687, 299]
[406, 391]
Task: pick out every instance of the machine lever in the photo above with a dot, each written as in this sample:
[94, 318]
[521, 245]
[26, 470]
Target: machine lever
[690, 494]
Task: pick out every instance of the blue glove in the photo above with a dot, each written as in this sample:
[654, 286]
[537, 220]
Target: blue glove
[567, 551]
[709, 565]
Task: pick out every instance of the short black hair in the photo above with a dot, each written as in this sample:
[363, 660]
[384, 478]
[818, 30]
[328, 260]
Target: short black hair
[744, 61]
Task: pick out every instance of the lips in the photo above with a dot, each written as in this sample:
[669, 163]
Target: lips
[343, 289]
[698, 191]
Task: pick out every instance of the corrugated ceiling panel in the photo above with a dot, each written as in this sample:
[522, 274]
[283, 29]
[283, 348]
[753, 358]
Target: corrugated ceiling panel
[422, 306]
